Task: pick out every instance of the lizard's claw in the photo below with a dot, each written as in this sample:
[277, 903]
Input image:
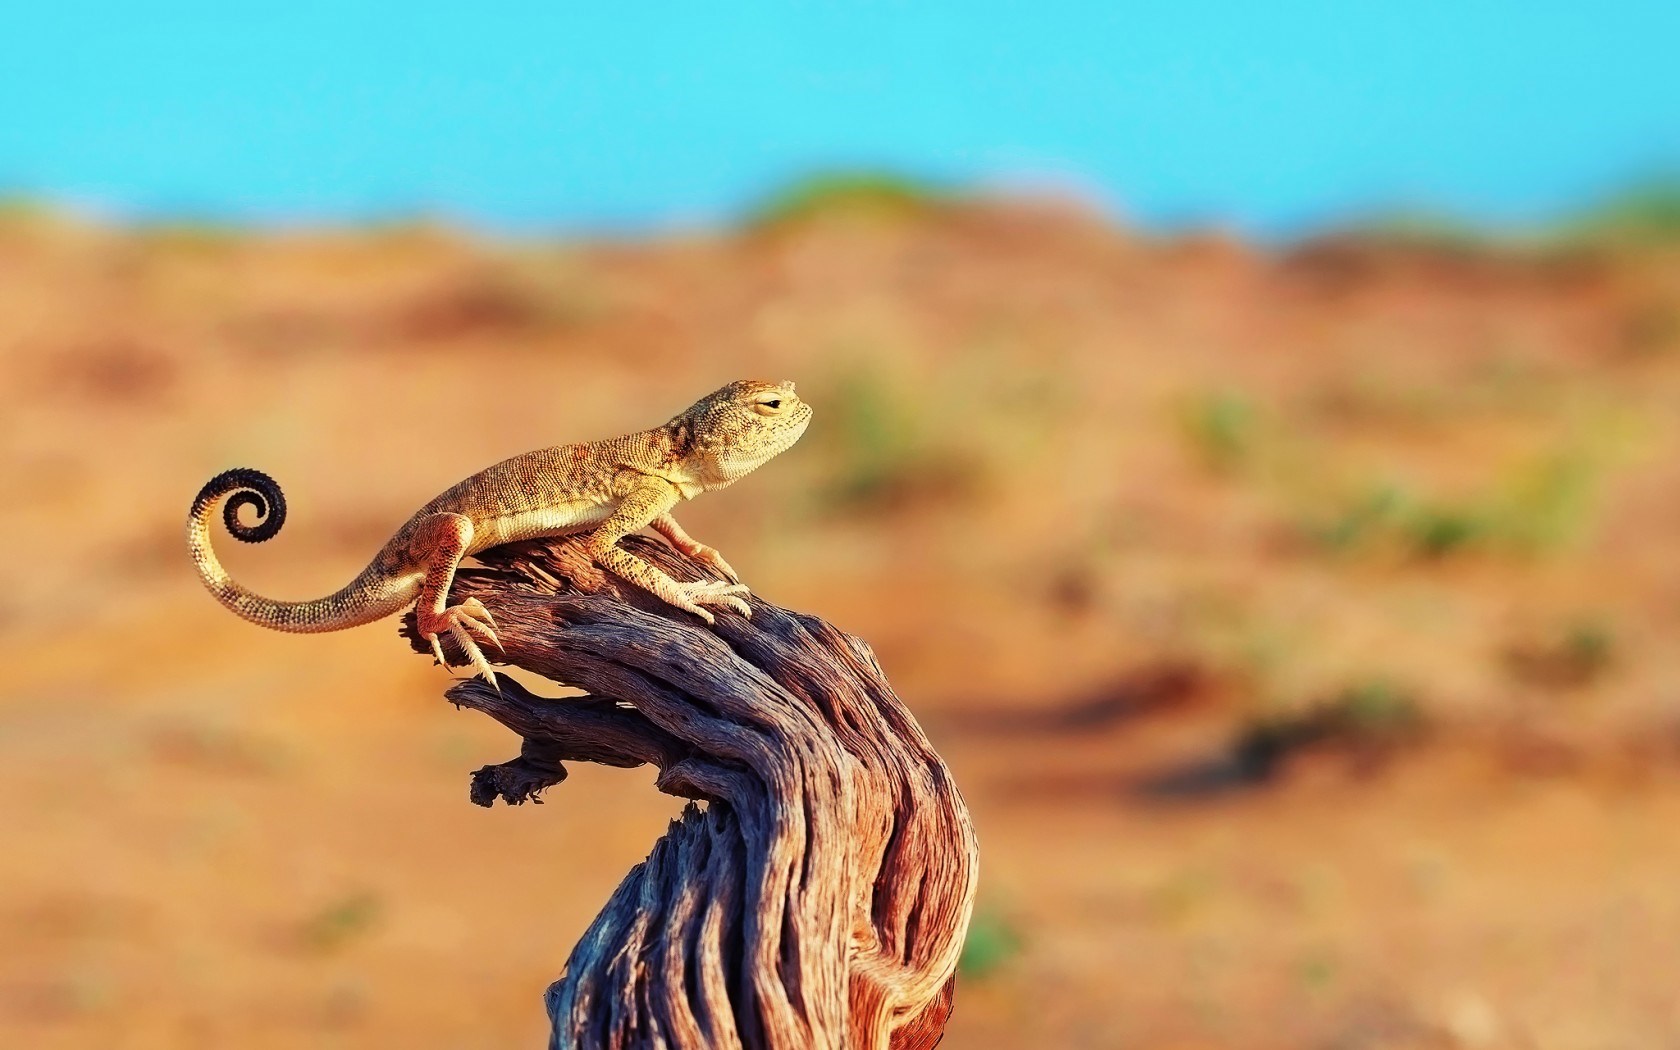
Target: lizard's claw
[476, 617]
[475, 656]
[695, 596]
[709, 557]
[463, 622]
[476, 607]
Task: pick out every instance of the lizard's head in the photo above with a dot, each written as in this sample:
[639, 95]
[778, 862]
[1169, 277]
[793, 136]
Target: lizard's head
[733, 431]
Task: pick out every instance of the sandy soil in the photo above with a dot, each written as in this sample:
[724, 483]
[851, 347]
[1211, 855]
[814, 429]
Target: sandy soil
[1302, 625]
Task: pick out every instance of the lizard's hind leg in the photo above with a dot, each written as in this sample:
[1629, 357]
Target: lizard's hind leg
[438, 543]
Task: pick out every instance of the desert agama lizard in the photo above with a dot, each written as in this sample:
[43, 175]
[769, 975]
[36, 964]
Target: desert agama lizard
[607, 489]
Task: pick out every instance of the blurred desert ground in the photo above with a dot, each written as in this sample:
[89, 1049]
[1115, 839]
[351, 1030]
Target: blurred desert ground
[1300, 620]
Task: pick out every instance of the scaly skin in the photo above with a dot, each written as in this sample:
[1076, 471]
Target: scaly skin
[607, 489]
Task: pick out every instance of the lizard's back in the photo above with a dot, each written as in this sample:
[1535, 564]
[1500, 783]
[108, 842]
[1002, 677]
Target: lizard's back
[550, 491]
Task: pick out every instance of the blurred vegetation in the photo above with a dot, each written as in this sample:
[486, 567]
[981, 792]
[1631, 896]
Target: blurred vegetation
[993, 942]
[191, 234]
[1539, 505]
[1546, 505]
[1221, 428]
[1430, 228]
[1645, 213]
[848, 195]
[1370, 716]
[889, 448]
[1316, 970]
[1642, 213]
[1577, 655]
[28, 215]
[23, 206]
[338, 923]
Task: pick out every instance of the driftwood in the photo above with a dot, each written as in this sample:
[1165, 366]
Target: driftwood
[818, 894]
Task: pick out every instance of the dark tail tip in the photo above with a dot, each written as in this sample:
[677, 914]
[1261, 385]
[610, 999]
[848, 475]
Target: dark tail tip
[245, 487]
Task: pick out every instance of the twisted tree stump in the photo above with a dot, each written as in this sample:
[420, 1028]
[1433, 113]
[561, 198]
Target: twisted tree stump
[820, 894]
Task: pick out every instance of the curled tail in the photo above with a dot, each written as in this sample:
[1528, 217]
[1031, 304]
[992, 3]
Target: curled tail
[374, 594]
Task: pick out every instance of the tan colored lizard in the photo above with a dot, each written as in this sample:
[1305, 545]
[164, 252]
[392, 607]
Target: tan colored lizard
[608, 489]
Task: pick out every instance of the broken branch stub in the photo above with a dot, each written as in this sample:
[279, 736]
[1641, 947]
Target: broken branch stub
[818, 897]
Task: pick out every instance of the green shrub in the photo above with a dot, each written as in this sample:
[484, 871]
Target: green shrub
[1221, 429]
[889, 449]
[1443, 529]
[991, 944]
[847, 194]
[1545, 504]
[1581, 653]
[1647, 212]
[1371, 717]
[342, 921]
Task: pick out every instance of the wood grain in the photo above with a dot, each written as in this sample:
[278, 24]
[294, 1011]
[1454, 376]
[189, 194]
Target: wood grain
[817, 891]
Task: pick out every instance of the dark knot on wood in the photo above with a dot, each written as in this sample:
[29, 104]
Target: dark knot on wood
[817, 891]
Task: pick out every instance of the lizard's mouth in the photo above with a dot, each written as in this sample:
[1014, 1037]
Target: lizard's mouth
[785, 436]
[801, 421]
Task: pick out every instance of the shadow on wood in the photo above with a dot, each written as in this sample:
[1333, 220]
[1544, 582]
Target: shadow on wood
[818, 894]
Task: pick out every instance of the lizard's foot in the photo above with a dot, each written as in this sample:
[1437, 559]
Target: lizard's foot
[693, 597]
[463, 622]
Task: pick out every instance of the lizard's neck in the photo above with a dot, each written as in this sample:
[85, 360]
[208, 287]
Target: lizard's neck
[683, 461]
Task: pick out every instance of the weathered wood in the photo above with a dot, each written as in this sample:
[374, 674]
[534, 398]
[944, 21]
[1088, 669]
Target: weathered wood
[818, 893]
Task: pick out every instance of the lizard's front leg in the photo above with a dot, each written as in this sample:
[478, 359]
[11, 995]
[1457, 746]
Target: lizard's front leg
[667, 527]
[642, 505]
[438, 544]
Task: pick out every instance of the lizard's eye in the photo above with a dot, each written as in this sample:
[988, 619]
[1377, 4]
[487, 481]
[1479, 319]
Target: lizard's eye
[773, 403]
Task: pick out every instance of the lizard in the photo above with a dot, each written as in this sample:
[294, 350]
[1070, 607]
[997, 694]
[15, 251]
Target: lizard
[605, 489]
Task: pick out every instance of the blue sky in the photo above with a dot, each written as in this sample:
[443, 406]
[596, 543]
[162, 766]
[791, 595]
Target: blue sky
[1265, 115]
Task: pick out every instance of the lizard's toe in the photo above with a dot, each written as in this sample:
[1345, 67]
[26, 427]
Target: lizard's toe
[712, 592]
[732, 602]
[482, 629]
[474, 655]
[437, 651]
[710, 557]
[478, 611]
[688, 600]
[714, 588]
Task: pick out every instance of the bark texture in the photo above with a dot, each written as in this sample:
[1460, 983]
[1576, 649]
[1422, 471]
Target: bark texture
[818, 892]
